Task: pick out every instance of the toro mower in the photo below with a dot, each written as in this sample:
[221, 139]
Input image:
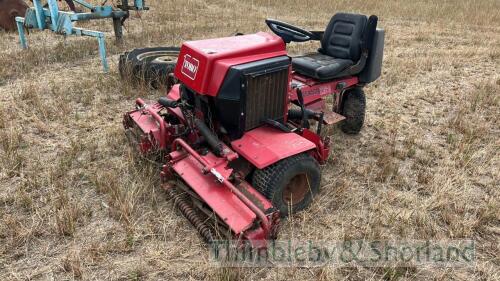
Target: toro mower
[239, 135]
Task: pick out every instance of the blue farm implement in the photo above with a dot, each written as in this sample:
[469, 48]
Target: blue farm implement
[61, 22]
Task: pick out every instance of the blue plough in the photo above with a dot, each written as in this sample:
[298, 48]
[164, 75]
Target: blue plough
[61, 22]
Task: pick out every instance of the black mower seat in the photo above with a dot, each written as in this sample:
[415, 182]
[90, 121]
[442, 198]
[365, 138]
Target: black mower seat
[320, 66]
[340, 52]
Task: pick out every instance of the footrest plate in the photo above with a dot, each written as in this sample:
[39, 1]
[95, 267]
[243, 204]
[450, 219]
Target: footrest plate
[330, 118]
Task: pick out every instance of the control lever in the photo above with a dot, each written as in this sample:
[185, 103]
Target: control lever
[305, 117]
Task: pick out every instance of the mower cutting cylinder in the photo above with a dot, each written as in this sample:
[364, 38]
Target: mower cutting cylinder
[243, 210]
[158, 119]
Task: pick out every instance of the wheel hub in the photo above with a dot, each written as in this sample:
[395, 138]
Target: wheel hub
[296, 190]
[159, 56]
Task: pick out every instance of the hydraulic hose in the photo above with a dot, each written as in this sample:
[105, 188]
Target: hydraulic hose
[210, 137]
[296, 113]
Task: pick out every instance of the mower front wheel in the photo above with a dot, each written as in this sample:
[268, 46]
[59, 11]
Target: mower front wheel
[290, 184]
[149, 66]
[353, 108]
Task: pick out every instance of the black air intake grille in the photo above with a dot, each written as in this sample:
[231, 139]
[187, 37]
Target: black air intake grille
[265, 97]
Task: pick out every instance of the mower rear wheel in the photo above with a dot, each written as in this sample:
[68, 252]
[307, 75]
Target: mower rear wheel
[290, 184]
[353, 108]
[149, 66]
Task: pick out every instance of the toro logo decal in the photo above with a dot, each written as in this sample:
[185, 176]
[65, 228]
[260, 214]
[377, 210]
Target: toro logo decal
[190, 66]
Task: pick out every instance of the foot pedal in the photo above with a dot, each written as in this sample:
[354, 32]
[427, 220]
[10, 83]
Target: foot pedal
[330, 118]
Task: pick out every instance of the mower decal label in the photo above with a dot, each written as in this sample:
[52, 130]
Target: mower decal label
[190, 66]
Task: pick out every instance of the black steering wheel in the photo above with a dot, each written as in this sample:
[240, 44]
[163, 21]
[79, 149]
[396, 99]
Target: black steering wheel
[288, 32]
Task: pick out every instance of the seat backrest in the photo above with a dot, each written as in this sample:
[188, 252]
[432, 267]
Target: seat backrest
[343, 36]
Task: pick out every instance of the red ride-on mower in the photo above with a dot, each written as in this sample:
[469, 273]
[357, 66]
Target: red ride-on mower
[235, 135]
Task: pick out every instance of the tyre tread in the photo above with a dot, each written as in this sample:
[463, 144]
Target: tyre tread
[353, 108]
[267, 180]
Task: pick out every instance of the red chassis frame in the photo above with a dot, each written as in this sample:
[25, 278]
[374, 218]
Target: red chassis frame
[239, 205]
[314, 93]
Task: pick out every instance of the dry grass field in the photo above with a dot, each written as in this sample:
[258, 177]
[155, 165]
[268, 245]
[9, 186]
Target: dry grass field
[76, 204]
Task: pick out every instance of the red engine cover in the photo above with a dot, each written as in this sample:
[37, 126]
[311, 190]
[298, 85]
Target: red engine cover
[203, 64]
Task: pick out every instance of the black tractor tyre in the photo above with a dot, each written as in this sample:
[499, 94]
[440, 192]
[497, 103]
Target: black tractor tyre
[296, 177]
[353, 108]
[149, 66]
